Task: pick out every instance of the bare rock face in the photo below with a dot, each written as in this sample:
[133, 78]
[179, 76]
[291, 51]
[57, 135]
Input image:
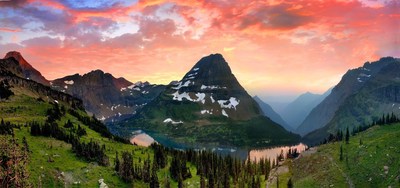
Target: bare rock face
[211, 84]
[107, 97]
[28, 71]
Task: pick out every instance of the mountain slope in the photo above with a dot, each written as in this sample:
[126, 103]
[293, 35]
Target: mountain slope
[207, 106]
[109, 98]
[269, 112]
[48, 140]
[296, 111]
[28, 71]
[363, 95]
[52, 160]
[369, 160]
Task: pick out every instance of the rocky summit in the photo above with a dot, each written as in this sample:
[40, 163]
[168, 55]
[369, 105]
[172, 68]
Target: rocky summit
[28, 71]
[108, 98]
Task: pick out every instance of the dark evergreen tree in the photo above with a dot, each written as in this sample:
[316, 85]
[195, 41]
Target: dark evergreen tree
[290, 183]
[341, 153]
[5, 91]
[347, 135]
[202, 181]
[154, 183]
[167, 183]
[126, 169]
[277, 181]
[117, 162]
[25, 144]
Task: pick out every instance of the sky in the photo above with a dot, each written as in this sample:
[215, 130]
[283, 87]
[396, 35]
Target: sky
[277, 49]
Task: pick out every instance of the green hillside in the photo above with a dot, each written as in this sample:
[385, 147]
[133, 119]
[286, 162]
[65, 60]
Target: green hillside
[52, 162]
[371, 159]
[52, 155]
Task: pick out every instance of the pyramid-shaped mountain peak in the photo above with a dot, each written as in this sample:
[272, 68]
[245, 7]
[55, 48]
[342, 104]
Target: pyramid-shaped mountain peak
[28, 71]
[210, 73]
[17, 56]
[207, 101]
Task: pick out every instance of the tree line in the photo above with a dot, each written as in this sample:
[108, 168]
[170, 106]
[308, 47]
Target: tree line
[214, 170]
[341, 135]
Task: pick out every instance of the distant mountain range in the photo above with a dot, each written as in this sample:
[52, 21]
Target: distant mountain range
[295, 112]
[208, 105]
[109, 98]
[269, 112]
[363, 95]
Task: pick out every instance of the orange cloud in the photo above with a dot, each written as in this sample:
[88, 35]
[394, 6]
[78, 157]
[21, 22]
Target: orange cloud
[271, 46]
[2, 29]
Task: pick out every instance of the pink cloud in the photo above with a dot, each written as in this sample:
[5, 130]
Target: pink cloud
[285, 46]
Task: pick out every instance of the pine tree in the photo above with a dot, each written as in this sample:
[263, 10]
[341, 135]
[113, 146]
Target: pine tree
[126, 170]
[289, 183]
[341, 153]
[25, 144]
[202, 181]
[117, 163]
[277, 181]
[167, 183]
[154, 179]
[347, 135]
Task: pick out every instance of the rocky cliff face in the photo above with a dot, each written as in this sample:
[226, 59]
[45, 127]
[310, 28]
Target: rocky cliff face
[109, 98]
[27, 70]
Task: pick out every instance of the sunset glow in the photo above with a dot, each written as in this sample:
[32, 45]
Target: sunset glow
[273, 46]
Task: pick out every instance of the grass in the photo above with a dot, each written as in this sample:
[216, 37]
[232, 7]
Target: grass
[363, 163]
[52, 162]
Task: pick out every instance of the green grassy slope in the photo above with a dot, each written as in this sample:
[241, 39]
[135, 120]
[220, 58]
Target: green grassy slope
[22, 108]
[373, 162]
[52, 163]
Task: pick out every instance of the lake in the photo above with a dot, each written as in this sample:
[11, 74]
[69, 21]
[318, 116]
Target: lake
[143, 139]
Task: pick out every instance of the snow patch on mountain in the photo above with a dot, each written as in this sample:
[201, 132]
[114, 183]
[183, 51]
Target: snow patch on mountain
[200, 97]
[179, 97]
[231, 103]
[186, 84]
[224, 113]
[203, 87]
[131, 86]
[193, 74]
[206, 112]
[169, 120]
[69, 82]
[212, 99]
